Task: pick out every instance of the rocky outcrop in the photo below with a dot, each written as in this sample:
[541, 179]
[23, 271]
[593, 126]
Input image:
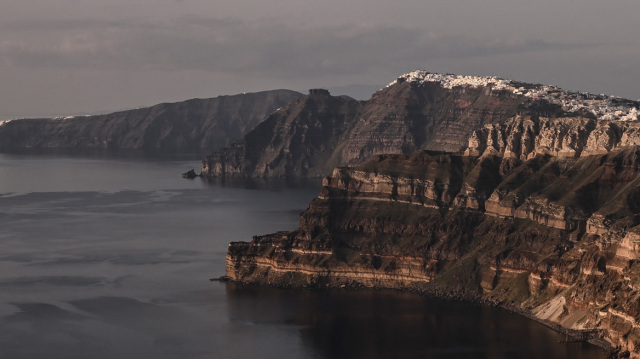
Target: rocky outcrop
[193, 126]
[524, 137]
[318, 132]
[555, 238]
[190, 174]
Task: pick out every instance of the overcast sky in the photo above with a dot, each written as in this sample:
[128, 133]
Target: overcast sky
[81, 56]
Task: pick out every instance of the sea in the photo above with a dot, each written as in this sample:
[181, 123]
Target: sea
[112, 256]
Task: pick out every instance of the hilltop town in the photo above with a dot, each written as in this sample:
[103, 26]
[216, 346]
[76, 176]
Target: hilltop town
[603, 107]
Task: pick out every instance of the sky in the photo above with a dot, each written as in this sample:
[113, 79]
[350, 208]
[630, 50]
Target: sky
[66, 57]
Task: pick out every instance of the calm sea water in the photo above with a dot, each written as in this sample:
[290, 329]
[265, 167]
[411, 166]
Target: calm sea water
[111, 258]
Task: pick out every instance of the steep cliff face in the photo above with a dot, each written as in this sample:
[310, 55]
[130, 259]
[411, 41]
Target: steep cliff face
[557, 238]
[408, 116]
[316, 133]
[193, 126]
[297, 140]
[525, 137]
[422, 110]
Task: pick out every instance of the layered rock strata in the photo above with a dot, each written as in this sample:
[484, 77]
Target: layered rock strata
[525, 137]
[318, 132]
[556, 238]
[426, 111]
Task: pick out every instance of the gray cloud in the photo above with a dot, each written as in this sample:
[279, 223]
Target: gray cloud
[64, 57]
[237, 46]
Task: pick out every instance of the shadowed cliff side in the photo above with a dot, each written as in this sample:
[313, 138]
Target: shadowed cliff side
[555, 238]
[298, 140]
[193, 126]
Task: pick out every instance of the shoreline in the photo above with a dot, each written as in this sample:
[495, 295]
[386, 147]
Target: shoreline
[573, 334]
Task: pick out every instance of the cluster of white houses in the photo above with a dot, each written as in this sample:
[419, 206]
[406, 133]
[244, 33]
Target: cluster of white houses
[602, 106]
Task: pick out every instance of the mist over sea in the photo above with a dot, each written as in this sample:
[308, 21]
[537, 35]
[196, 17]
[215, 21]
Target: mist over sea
[110, 257]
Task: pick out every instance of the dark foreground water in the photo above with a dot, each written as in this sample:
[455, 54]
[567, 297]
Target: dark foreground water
[110, 258]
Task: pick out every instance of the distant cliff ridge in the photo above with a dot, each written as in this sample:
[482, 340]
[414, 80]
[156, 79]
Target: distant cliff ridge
[400, 118]
[555, 238]
[193, 126]
[419, 110]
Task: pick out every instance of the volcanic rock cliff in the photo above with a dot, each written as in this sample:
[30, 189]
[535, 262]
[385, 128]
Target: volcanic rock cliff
[318, 132]
[556, 238]
[528, 136]
[193, 126]
[418, 111]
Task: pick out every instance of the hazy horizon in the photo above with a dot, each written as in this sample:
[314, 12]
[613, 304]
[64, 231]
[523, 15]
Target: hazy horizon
[65, 57]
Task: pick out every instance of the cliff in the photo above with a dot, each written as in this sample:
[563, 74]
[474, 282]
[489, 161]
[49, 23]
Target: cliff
[193, 126]
[525, 137]
[418, 111]
[318, 132]
[556, 238]
[297, 140]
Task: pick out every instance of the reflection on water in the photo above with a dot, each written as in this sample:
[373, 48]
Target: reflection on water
[263, 184]
[389, 324]
[110, 258]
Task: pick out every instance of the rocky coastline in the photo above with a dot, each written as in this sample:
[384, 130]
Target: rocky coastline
[552, 238]
[517, 195]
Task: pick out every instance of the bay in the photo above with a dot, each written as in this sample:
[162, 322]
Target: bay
[110, 257]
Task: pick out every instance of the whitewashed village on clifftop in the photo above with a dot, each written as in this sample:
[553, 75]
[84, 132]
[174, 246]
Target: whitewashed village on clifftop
[602, 106]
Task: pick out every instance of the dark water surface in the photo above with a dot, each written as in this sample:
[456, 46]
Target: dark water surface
[110, 258]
